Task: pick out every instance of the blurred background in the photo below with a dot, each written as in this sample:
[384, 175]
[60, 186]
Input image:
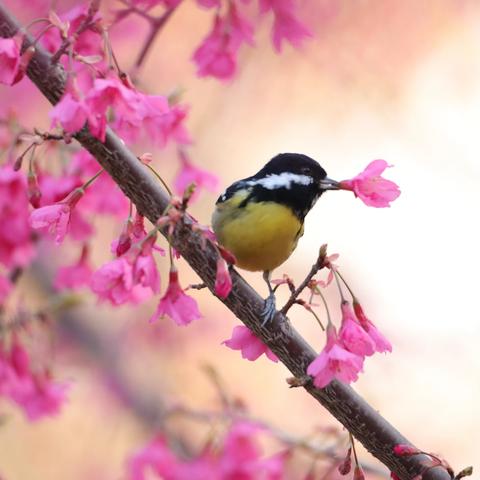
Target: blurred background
[379, 79]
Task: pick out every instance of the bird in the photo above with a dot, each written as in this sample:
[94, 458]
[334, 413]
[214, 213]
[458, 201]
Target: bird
[260, 219]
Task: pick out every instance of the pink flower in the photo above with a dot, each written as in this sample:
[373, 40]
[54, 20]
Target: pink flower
[70, 113]
[5, 288]
[104, 94]
[156, 457]
[371, 188]
[353, 337]
[381, 343]
[217, 55]
[189, 174]
[16, 247]
[9, 60]
[179, 306]
[113, 281]
[86, 43]
[334, 362]
[249, 344]
[35, 393]
[76, 275]
[286, 26]
[223, 281]
[145, 272]
[56, 218]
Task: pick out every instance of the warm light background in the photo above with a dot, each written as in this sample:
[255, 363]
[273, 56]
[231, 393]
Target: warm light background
[398, 80]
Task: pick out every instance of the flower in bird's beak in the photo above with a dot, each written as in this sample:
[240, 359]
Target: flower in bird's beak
[371, 187]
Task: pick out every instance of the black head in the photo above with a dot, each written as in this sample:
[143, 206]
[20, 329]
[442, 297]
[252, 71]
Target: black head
[292, 179]
[296, 163]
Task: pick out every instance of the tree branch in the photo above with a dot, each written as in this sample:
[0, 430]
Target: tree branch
[363, 421]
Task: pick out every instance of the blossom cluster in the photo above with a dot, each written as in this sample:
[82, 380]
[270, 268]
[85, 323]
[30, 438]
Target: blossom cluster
[33, 391]
[238, 456]
[344, 352]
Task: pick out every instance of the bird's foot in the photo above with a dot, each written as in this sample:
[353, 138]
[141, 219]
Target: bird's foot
[269, 310]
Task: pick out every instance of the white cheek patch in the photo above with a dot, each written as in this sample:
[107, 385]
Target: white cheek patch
[282, 180]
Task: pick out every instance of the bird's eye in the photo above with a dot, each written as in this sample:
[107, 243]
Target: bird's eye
[306, 170]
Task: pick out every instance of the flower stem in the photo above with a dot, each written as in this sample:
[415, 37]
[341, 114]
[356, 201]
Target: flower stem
[89, 182]
[347, 285]
[161, 180]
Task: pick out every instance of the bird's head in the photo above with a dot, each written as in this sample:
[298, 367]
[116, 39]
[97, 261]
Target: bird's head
[292, 179]
[286, 169]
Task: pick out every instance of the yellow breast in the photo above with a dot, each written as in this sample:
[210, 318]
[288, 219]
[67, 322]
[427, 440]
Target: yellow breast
[260, 235]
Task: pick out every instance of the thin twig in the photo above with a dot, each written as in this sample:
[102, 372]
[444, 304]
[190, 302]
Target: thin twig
[316, 267]
[156, 26]
[87, 22]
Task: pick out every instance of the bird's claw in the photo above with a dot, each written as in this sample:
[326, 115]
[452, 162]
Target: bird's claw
[269, 310]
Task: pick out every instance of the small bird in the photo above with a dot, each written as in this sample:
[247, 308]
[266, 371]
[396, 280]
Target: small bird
[260, 218]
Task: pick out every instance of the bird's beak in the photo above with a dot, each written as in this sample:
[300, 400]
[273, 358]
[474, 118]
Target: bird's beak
[329, 184]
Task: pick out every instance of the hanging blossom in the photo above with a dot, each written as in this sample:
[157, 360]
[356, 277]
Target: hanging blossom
[9, 60]
[87, 43]
[344, 353]
[238, 456]
[16, 248]
[335, 362]
[223, 281]
[382, 345]
[13, 65]
[371, 187]
[352, 336]
[286, 26]
[176, 304]
[34, 392]
[132, 277]
[76, 275]
[55, 219]
[249, 344]
[217, 54]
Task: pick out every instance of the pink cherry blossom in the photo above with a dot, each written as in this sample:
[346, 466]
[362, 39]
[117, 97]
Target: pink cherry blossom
[249, 344]
[76, 275]
[113, 281]
[70, 112]
[353, 337]
[86, 43]
[52, 218]
[155, 457]
[34, 392]
[381, 343]
[334, 362]
[16, 247]
[371, 187]
[176, 304]
[9, 60]
[223, 281]
[217, 55]
[286, 26]
[145, 272]
[189, 174]
[135, 113]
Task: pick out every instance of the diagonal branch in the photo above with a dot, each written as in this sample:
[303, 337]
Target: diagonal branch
[362, 420]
